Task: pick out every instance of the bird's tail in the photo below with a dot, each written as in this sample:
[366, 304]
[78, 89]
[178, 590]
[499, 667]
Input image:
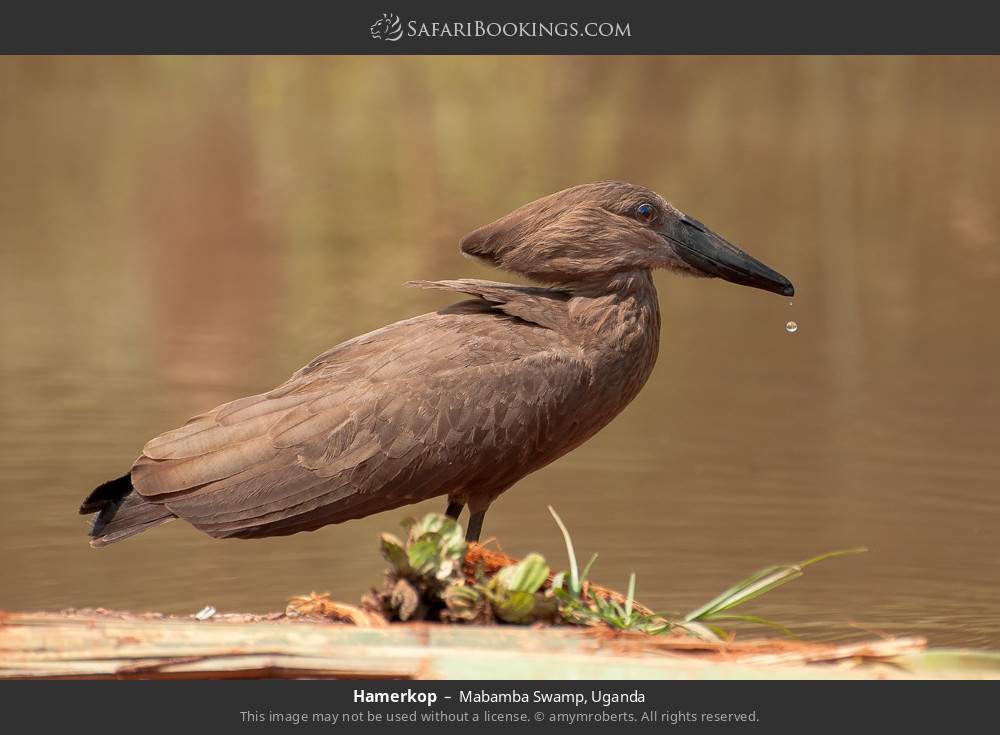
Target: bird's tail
[120, 512]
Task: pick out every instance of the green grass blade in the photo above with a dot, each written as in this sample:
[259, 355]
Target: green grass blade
[586, 570]
[630, 597]
[715, 601]
[574, 573]
[760, 583]
[832, 555]
[758, 588]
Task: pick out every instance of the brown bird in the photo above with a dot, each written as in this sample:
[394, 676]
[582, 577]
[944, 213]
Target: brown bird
[461, 402]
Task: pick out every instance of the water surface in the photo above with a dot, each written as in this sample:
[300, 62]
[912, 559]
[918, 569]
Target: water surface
[175, 233]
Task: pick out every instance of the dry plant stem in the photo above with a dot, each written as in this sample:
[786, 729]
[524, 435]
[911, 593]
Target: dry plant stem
[321, 605]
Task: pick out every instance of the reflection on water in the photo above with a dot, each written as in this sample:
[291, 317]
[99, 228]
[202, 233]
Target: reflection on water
[177, 232]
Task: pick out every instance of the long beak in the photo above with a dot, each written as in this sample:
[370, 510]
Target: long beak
[712, 255]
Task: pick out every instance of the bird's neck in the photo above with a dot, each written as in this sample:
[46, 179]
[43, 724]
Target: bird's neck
[621, 311]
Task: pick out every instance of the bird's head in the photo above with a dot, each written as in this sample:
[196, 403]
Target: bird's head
[590, 232]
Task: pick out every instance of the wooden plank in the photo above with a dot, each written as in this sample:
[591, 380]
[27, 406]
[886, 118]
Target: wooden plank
[121, 646]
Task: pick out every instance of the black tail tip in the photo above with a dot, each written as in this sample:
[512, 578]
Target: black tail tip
[108, 495]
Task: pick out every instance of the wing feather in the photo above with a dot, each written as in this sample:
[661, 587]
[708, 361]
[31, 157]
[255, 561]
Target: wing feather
[413, 410]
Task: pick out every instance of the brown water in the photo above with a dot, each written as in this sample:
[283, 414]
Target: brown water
[178, 232]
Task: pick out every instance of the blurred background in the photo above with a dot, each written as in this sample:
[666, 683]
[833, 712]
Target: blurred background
[179, 232]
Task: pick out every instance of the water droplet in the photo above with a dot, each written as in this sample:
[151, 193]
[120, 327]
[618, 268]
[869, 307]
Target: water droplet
[791, 327]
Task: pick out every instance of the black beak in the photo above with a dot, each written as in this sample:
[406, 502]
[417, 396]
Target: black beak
[712, 255]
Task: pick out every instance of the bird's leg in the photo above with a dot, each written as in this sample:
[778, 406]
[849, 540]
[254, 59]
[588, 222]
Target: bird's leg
[454, 509]
[475, 525]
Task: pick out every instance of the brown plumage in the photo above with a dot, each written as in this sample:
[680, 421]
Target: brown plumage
[461, 402]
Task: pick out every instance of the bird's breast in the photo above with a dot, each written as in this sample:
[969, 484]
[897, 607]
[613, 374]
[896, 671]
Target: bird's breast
[621, 340]
[618, 342]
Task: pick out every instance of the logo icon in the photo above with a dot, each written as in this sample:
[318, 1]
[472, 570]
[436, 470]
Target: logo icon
[387, 28]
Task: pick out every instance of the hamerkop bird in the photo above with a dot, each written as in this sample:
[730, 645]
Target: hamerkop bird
[462, 402]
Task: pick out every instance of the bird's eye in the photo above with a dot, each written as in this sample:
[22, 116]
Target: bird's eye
[645, 212]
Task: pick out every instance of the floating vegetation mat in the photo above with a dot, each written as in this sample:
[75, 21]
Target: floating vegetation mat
[434, 575]
[448, 609]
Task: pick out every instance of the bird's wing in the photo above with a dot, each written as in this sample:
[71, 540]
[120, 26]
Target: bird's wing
[542, 306]
[405, 413]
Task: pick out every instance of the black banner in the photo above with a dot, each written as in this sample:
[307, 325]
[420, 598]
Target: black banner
[517, 706]
[452, 27]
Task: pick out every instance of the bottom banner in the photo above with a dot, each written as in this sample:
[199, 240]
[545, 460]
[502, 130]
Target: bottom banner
[395, 706]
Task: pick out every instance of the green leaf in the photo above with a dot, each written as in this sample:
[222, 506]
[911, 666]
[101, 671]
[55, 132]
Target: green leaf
[462, 594]
[526, 576]
[435, 549]
[463, 601]
[393, 552]
[515, 607]
[422, 555]
[430, 523]
[446, 532]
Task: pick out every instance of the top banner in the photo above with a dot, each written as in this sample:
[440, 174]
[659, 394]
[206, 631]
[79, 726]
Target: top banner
[449, 27]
